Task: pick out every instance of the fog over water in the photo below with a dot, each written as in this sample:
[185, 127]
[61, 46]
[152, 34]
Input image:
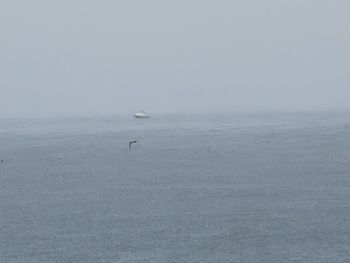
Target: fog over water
[84, 58]
[245, 157]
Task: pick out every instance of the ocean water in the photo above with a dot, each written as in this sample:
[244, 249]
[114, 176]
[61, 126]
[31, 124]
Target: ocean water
[195, 188]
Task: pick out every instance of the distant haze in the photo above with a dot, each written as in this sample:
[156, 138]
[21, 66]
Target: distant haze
[83, 57]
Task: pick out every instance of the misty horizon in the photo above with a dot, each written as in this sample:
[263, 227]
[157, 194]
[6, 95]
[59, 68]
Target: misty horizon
[85, 58]
[245, 157]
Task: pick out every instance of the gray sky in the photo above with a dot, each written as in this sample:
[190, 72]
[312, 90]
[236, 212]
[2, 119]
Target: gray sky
[83, 57]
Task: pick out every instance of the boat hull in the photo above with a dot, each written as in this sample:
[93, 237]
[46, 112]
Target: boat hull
[141, 117]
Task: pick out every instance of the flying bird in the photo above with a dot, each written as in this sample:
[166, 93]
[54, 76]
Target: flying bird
[131, 143]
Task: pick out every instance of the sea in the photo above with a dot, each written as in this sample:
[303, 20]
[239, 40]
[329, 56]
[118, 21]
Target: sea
[246, 187]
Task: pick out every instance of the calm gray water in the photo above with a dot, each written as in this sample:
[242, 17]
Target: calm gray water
[196, 188]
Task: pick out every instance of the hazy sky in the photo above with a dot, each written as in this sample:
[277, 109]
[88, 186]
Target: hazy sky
[83, 57]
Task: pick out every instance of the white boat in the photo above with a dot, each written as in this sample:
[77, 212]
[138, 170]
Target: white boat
[141, 114]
